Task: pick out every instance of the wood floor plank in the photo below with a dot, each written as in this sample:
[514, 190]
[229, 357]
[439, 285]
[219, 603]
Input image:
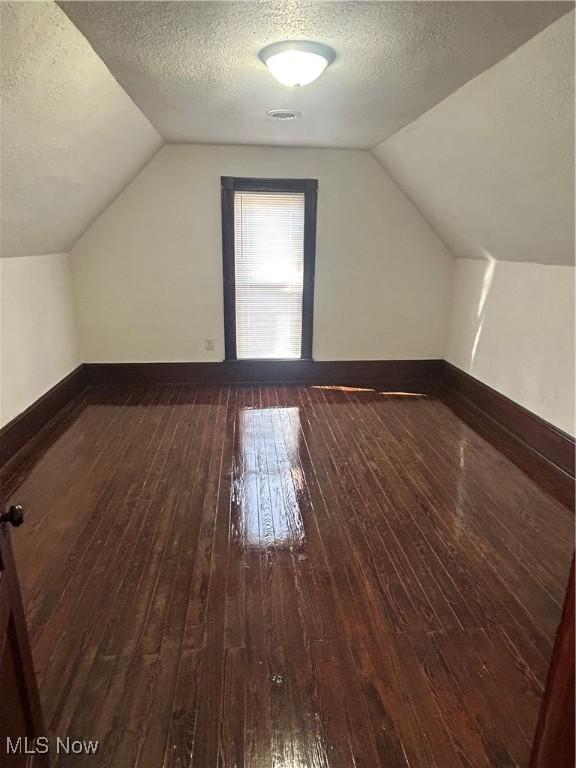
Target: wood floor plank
[268, 576]
[473, 546]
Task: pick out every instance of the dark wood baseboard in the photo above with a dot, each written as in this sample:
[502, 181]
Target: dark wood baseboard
[550, 442]
[18, 432]
[542, 450]
[340, 372]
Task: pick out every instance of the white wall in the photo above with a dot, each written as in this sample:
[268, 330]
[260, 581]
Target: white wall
[148, 273]
[492, 166]
[512, 327]
[38, 339]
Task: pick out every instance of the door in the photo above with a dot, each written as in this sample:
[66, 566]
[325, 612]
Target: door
[20, 714]
[554, 740]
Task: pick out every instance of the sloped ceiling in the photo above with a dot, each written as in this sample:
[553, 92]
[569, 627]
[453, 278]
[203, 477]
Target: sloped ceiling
[492, 166]
[71, 137]
[193, 68]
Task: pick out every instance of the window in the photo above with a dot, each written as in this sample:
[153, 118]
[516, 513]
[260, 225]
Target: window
[268, 238]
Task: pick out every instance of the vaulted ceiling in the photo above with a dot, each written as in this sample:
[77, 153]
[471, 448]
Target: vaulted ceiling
[492, 166]
[193, 67]
[71, 137]
[90, 90]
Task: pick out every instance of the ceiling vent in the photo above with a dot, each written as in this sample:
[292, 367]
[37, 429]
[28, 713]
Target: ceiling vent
[283, 114]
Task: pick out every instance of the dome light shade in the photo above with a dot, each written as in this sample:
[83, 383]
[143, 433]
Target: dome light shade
[296, 62]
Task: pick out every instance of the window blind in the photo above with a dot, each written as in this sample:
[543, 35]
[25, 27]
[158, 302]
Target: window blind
[269, 273]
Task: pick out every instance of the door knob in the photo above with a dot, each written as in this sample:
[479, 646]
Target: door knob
[14, 516]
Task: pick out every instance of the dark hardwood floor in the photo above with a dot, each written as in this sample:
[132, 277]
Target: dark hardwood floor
[286, 577]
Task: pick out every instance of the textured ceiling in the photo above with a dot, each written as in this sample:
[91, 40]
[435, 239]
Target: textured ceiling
[192, 67]
[71, 137]
[492, 167]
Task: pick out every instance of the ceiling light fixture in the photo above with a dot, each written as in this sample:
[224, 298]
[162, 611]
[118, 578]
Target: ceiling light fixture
[296, 62]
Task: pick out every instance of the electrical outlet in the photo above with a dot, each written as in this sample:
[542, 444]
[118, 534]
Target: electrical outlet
[209, 345]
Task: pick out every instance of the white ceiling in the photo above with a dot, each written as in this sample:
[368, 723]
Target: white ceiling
[492, 166]
[193, 70]
[71, 137]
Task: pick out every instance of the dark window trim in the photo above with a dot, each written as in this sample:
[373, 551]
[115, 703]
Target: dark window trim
[232, 184]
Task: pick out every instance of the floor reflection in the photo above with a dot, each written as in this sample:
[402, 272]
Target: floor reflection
[355, 390]
[267, 479]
